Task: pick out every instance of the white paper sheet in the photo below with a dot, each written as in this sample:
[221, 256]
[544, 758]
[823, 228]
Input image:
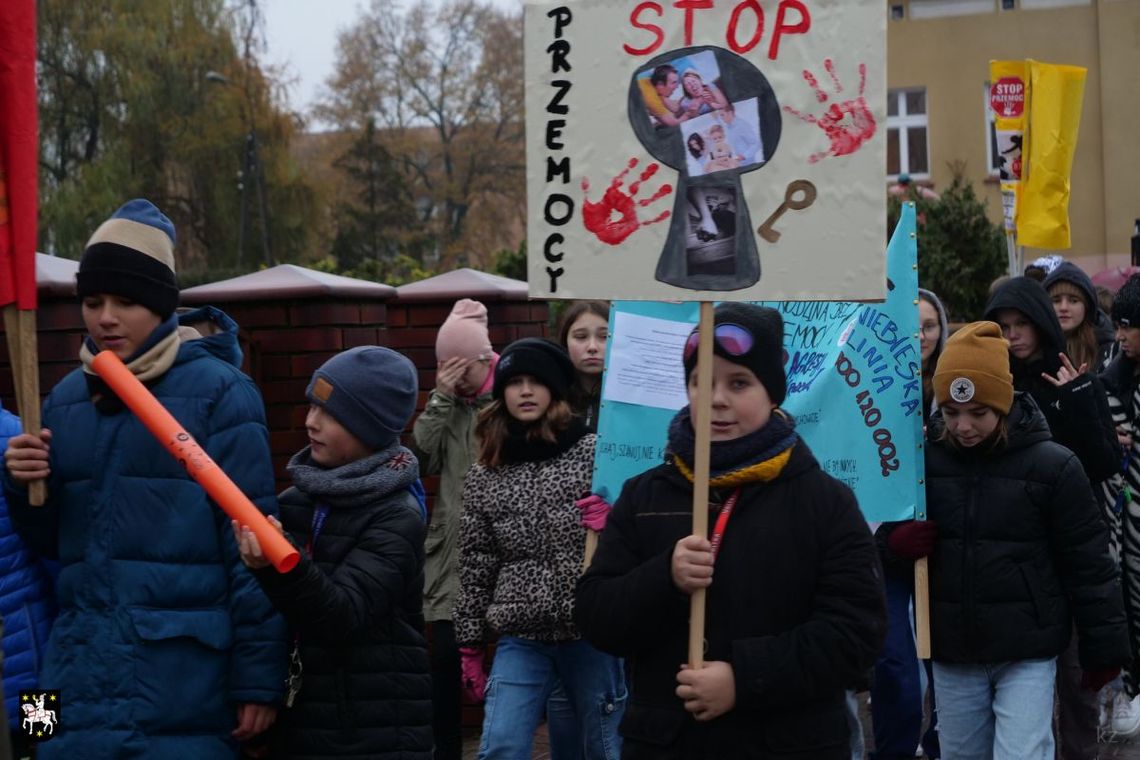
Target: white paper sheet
[645, 365]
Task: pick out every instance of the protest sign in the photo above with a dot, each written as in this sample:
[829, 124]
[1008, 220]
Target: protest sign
[706, 149]
[1037, 117]
[854, 387]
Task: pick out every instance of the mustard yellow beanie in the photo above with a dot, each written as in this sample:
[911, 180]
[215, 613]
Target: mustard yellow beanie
[974, 366]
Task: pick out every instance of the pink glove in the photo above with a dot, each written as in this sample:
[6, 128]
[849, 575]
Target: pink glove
[474, 677]
[594, 511]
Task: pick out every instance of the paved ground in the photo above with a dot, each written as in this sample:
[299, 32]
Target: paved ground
[1112, 751]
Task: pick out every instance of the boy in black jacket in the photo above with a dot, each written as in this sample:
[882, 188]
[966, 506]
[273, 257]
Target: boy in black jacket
[796, 613]
[359, 678]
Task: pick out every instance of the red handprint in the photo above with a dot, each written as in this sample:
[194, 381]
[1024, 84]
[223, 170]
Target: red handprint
[846, 134]
[614, 217]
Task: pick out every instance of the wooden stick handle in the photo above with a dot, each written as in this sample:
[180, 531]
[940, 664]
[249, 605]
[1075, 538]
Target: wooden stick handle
[20, 328]
[702, 424]
[30, 393]
[591, 547]
[922, 607]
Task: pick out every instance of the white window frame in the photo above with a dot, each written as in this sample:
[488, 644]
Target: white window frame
[931, 9]
[1033, 5]
[903, 122]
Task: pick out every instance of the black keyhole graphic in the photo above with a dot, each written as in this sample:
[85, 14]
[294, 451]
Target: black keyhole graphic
[711, 115]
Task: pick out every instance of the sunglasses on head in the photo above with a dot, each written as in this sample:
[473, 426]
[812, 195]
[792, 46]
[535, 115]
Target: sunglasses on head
[733, 339]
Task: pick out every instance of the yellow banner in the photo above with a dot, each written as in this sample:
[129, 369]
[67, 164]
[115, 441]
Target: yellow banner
[1054, 119]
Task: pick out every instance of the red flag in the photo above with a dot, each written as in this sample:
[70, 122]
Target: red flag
[19, 152]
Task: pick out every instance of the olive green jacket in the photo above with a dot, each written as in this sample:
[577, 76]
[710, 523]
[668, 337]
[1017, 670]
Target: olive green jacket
[444, 436]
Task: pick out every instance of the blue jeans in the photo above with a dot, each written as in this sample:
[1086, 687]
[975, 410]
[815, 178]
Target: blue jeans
[898, 689]
[562, 726]
[523, 675]
[858, 746]
[999, 711]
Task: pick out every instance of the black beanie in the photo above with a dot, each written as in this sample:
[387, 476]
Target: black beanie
[766, 357]
[1126, 303]
[542, 358]
[370, 390]
[132, 255]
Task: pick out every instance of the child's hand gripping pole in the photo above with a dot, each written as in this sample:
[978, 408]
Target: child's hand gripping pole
[197, 462]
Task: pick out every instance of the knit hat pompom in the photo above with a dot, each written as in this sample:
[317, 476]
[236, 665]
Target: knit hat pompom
[132, 255]
[766, 355]
[974, 366]
[464, 333]
[544, 359]
[1126, 303]
[370, 390]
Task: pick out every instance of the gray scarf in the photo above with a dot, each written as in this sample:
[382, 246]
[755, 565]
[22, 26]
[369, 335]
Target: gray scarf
[356, 483]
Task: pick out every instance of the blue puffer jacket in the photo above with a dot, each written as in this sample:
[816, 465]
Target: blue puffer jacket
[26, 602]
[162, 631]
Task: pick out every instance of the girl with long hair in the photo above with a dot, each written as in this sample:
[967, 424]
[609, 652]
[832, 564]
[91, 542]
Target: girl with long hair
[583, 331]
[933, 332]
[1089, 334]
[521, 544]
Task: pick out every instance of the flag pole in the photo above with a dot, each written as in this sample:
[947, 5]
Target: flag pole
[28, 395]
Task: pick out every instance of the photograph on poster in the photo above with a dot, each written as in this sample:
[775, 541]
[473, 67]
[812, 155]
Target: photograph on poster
[681, 89]
[725, 139]
[710, 245]
[1009, 155]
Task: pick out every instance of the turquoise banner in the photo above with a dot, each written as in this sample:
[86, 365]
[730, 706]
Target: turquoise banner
[854, 386]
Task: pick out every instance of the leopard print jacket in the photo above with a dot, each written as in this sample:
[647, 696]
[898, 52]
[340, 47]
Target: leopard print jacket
[521, 543]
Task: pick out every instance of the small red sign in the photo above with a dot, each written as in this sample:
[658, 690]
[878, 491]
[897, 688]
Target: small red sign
[1007, 97]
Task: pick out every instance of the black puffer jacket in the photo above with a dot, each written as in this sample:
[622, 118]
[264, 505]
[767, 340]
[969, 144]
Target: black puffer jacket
[1077, 413]
[1021, 551]
[796, 607]
[357, 607]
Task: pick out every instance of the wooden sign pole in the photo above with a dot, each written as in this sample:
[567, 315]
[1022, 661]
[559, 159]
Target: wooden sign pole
[702, 425]
[922, 607]
[20, 328]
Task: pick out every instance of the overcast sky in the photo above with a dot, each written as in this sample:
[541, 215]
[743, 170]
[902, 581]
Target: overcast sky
[301, 35]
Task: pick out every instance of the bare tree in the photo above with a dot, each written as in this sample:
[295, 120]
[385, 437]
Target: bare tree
[444, 86]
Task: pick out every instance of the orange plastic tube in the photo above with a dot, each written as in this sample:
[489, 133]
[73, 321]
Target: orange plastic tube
[197, 462]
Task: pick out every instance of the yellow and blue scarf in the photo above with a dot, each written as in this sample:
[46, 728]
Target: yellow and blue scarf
[759, 456]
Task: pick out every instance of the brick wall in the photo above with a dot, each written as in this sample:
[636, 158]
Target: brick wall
[60, 330]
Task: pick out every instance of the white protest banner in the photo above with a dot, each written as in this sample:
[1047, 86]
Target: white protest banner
[706, 150]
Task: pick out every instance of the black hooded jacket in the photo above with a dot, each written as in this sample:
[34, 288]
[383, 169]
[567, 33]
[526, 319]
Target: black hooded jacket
[1077, 413]
[1021, 553]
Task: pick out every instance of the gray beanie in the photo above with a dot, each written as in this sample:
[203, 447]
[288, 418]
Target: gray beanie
[370, 390]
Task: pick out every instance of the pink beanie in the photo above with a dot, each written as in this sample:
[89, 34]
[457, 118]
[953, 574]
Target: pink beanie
[464, 332]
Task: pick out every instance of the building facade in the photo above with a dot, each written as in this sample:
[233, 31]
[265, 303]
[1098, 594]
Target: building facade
[938, 107]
